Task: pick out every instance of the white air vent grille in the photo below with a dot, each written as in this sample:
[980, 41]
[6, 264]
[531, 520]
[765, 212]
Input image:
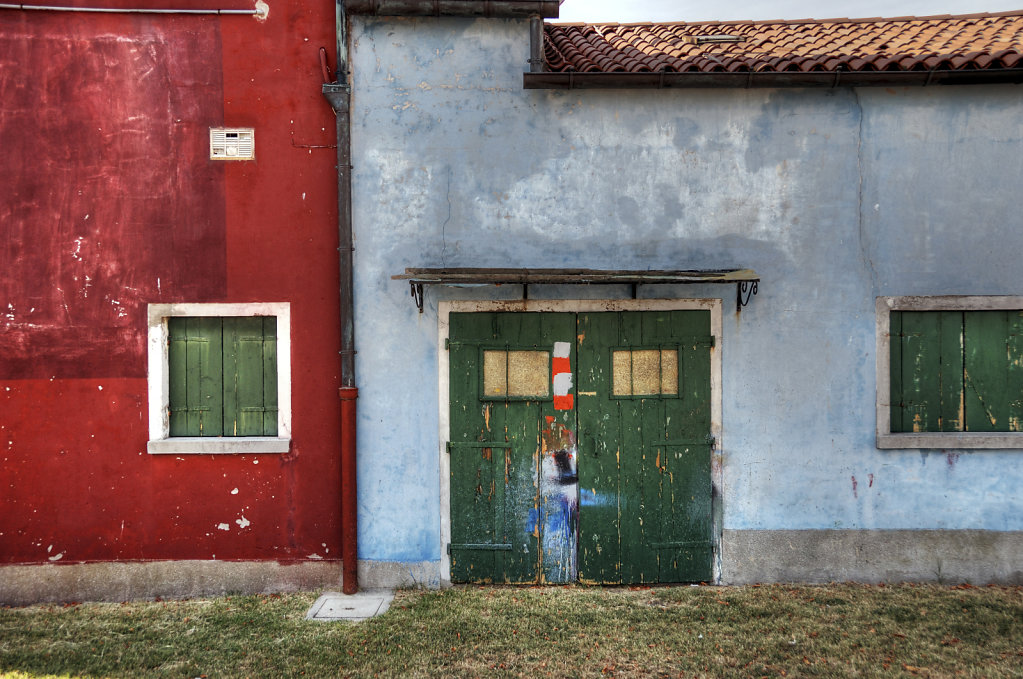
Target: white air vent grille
[232, 143]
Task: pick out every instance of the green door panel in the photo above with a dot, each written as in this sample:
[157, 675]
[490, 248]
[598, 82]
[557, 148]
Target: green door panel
[506, 499]
[606, 488]
[644, 471]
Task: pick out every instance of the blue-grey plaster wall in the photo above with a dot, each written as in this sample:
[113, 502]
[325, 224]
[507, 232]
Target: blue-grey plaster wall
[832, 196]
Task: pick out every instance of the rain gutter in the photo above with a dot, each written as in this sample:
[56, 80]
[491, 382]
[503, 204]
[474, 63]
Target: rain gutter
[572, 80]
[456, 8]
[338, 94]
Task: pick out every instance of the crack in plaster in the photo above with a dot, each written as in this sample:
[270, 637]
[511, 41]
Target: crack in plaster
[864, 249]
[444, 226]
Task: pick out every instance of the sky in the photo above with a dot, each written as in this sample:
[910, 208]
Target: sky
[625, 11]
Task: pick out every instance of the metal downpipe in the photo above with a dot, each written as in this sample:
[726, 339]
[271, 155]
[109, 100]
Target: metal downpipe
[338, 93]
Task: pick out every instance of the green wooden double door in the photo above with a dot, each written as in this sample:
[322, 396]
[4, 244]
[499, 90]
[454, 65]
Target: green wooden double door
[580, 447]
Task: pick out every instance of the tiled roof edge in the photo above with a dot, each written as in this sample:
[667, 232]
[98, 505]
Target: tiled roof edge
[569, 80]
[778, 22]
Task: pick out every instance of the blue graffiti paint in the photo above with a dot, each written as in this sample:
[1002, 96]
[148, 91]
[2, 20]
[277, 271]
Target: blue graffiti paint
[590, 498]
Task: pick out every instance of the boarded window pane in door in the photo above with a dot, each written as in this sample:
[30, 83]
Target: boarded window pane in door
[641, 372]
[516, 373]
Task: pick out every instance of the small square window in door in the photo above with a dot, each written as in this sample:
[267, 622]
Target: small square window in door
[645, 372]
[516, 374]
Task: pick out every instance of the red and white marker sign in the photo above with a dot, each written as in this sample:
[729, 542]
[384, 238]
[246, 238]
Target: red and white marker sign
[561, 368]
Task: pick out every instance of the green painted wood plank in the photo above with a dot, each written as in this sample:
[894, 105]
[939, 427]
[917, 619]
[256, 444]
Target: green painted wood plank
[599, 522]
[517, 422]
[559, 488]
[204, 364]
[987, 392]
[921, 365]
[244, 405]
[639, 563]
[471, 518]
[522, 482]
[270, 404]
[694, 483]
[473, 514]
[655, 508]
[178, 376]
[951, 403]
[897, 408]
[1014, 369]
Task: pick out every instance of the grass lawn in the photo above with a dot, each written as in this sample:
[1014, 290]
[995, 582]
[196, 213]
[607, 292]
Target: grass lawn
[832, 631]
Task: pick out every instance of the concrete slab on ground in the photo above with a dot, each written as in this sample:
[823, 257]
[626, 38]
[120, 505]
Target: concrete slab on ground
[354, 607]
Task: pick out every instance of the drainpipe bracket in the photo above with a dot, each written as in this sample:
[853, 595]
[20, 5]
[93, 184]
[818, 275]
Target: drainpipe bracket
[337, 94]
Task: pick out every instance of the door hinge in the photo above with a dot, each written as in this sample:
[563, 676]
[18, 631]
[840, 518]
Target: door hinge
[447, 344]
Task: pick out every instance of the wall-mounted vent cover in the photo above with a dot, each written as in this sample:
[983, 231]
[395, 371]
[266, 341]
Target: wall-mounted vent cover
[232, 143]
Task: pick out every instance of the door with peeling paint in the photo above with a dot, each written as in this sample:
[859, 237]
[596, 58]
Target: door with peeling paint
[633, 436]
[513, 486]
[645, 447]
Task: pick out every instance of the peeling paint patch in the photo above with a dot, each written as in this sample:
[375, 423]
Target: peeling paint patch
[559, 502]
[243, 522]
[223, 526]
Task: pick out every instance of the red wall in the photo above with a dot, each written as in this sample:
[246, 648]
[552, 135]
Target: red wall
[109, 203]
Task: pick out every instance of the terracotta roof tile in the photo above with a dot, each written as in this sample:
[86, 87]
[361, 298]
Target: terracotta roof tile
[967, 42]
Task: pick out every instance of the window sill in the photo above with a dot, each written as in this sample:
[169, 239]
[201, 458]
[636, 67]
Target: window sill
[213, 445]
[990, 440]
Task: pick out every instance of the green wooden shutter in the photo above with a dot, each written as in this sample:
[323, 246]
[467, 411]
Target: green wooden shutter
[223, 376]
[250, 376]
[195, 357]
[926, 371]
[956, 371]
[993, 372]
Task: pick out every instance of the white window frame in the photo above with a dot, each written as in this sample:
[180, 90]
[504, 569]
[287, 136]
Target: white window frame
[886, 439]
[160, 440]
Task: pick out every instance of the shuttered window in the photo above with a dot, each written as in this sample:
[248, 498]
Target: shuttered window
[222, 376]
[956, 371]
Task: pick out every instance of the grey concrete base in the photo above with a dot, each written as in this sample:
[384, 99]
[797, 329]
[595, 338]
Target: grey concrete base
[816, 556]
[125, 581]
[357, 607]
[399, 575]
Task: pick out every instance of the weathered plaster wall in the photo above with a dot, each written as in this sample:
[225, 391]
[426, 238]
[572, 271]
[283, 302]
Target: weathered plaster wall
[833, 196]
[110, 202]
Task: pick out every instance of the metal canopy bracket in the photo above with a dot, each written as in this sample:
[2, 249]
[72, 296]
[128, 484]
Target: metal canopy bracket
[747, 287]
[417, 294]
[746, 280]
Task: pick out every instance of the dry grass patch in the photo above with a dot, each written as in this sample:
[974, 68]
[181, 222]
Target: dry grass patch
[833, 631]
